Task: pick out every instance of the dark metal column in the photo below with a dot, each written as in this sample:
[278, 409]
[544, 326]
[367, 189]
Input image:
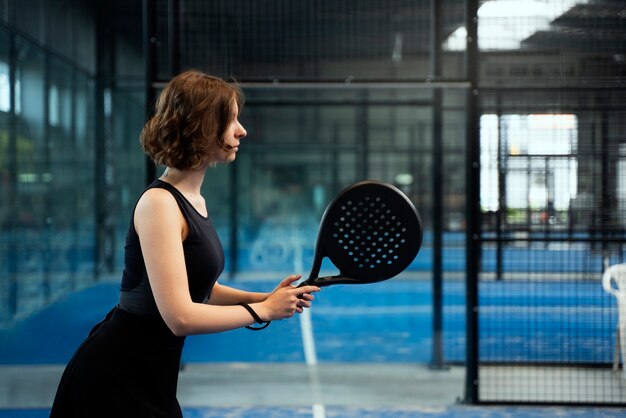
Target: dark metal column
[150, 67]
[233, 221]
[472, 203]
[607, 170]
[437, 187]
[99, 148]
[104, 166]
[173, 36]
[363, 129]
[503, 155]
[12, 259]
[76, 219]
[48, 228]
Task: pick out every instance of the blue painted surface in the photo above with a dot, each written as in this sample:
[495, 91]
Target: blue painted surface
[434, 412]
[382, 322]
[269, 248]
[353, 412]
[51, 335]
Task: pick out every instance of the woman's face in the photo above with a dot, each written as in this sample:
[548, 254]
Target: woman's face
[232, 137]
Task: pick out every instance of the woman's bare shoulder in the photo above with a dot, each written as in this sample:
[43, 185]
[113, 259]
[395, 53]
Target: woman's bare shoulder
[157, 204]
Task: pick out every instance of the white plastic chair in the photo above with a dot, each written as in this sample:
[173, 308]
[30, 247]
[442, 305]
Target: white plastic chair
[617, 274]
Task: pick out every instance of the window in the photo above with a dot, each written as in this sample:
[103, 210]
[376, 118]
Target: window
[537, 160]
[5, 88]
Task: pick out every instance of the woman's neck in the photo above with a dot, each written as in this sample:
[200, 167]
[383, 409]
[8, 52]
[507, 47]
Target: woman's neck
[189, 181]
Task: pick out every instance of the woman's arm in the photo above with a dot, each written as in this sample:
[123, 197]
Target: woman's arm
[161, 228]
[226, 295]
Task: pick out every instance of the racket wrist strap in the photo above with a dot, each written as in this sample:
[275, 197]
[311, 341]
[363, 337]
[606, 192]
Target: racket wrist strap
[263, 324]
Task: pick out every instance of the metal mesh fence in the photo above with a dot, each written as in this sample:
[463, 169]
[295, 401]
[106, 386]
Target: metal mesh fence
[311, 40]
[552, 190]
[552, 198]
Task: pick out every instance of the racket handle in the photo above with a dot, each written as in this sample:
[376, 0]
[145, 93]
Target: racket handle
[328, 280]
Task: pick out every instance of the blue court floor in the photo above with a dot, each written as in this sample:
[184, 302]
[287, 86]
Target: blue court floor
[383, 322]
[373, 344]
[352, 412]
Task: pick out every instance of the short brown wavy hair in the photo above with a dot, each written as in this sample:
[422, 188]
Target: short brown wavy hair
[190, 119]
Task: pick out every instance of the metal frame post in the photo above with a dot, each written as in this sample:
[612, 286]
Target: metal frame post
[12, 259]
[437, 361]
[150, 68]
[472, 203]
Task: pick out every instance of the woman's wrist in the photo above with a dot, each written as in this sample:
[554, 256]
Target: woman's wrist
[260, 323]
[261, 310]
[259, 297]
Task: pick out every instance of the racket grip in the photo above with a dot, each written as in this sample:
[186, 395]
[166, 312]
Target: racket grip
[314, 282]
[328, 280]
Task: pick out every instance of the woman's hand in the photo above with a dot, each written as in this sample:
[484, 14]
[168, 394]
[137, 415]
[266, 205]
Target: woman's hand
[286, 300]
[287, 282]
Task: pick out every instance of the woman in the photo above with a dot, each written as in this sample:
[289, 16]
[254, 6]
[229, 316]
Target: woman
[128, 365]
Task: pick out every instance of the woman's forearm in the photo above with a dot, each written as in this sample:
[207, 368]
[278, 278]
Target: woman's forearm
[225, 295]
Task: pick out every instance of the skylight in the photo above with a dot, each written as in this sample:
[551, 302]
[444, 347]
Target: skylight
[504, 24]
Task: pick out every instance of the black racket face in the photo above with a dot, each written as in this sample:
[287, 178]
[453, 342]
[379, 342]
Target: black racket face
[371, 232]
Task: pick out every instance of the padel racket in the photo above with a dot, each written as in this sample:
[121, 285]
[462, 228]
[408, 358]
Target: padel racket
[371, 232]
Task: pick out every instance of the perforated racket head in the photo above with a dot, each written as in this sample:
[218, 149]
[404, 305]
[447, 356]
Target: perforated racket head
[371, 232]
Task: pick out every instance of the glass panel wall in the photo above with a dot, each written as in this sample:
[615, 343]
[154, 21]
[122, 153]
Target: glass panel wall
[47, 188]
[47, 154]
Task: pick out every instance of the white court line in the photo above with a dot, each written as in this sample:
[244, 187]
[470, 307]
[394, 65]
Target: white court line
[399, 310]
[319, 411]
[306, 327]
[308, 342]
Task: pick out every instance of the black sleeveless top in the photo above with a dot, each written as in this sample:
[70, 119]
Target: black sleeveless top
[204, 259]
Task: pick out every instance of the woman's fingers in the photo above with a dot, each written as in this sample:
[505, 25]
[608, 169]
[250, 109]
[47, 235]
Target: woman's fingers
[306, 289]
[304, 301]
[306, 296]
[288, 299]
[287, 281]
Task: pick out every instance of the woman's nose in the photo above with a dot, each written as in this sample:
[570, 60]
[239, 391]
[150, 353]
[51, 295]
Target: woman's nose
[241, 132]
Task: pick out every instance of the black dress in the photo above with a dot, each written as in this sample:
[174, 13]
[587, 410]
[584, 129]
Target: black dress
[128, 365]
